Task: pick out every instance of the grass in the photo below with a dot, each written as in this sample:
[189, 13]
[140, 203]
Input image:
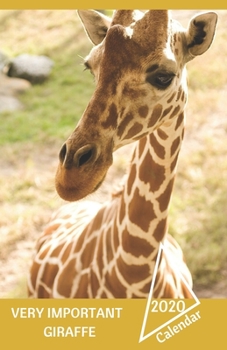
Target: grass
[52, 108]
[30, 140]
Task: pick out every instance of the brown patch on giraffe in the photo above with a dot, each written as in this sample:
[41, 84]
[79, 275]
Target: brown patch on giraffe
[166, 111]
[158, 286]
[50, 229]
[183, 96]
[141, 211]
[171, 97]
[94, 282]
[146, 288]
[111, 120]
[44, 253]
[179, 120]
[67, 252]
[131, 178]
[104, 295]
[159, 149]
[79, 243]
[122, 210]
[142, 144]
[49, 273]
[133, 273]
[174, 162]
[186, 292]
[34, 272]
[100, 256]
[143, 111]
[175, 145]
[88, 254]
[164, 198]
[176, 51]
[114, 285]
[160, 230]
[175, 112]
[100, 107]
[66, 216]
[162, 134]
[152, 173]
[134, 130]
[173, 275]
[179, 94]
[57, 250]
[109, 247]
[68, 224]
[94, 225]
[82, 291]
[65, 280]
[168, 291]
[115, 237]
[135, 245]
[155, 115]
[42, 292]
[122, 126]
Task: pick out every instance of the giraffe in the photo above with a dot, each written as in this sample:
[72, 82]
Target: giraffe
[109, 250]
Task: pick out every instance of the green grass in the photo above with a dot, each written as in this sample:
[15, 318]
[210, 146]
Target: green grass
[52, 109]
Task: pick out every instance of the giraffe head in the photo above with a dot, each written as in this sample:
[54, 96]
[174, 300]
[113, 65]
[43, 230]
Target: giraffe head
[138, 61]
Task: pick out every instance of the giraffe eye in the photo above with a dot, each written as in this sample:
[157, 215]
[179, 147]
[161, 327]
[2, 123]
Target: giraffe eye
[88, 67]
[164, 80]
[160, 80]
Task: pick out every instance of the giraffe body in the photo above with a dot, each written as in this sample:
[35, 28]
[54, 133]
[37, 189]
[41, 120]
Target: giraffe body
[109, 251]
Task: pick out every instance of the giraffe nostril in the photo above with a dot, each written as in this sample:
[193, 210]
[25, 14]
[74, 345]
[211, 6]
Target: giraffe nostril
[62, 153]
[69, 158]
[84, 155]
[84, 158]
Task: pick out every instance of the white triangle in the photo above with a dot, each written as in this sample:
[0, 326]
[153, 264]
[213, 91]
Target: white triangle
[197, 302]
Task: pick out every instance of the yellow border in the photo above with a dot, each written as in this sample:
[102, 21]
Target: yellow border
[209, 332]
[99, 4]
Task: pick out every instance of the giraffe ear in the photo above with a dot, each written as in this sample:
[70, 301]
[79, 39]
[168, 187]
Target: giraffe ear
[200, 33]
[95, 24]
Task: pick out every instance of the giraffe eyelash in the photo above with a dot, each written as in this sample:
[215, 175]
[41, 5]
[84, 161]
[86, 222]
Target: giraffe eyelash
[87, 66]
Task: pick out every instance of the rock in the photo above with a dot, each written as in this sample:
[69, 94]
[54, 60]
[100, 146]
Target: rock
[9, 89]
[12, 86]
[33, 68]
[9, 103]
[4, 61]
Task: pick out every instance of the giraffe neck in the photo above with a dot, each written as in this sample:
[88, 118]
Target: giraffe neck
[143, 213]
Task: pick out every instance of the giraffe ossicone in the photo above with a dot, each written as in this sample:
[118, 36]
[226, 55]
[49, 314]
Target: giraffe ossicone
[91, 250]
